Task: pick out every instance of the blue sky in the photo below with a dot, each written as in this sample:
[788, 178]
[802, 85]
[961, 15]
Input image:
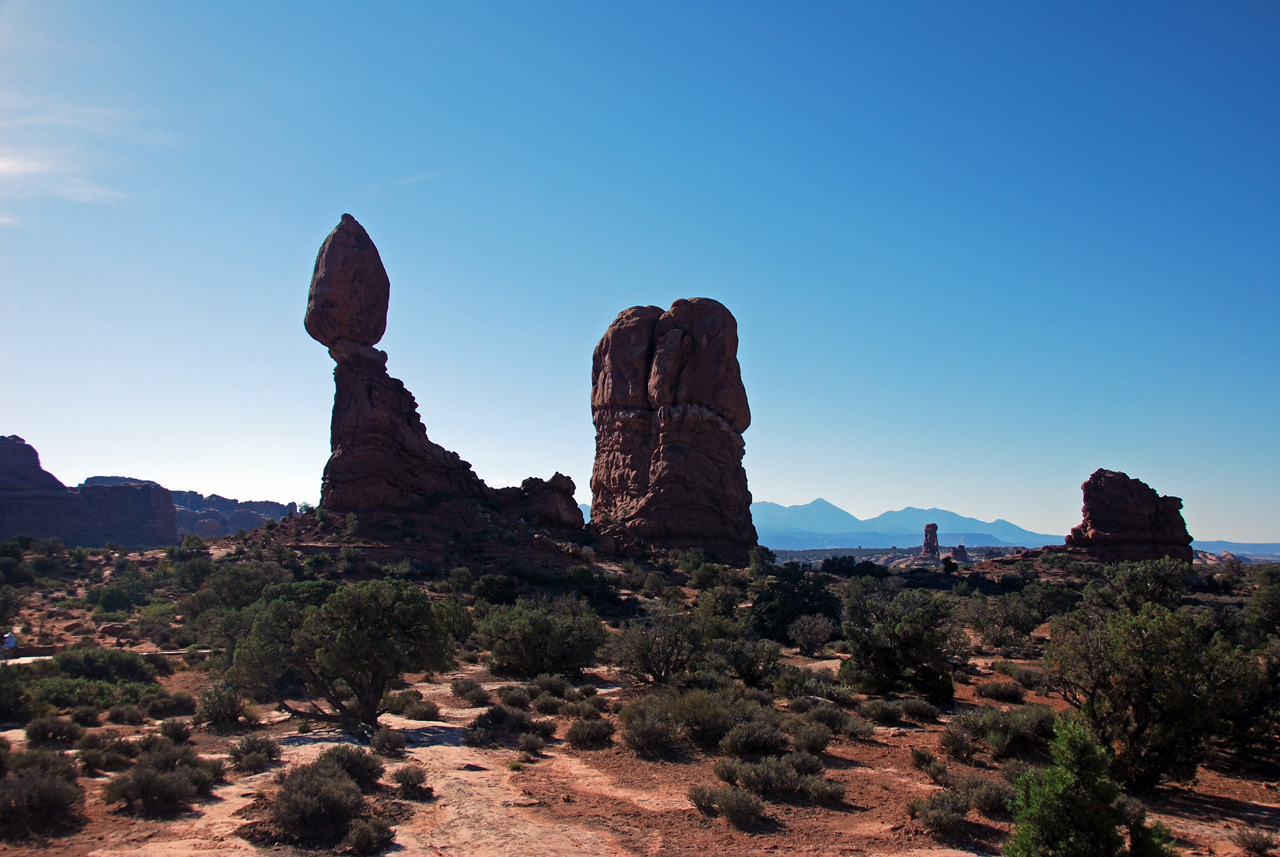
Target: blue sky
[975, 250]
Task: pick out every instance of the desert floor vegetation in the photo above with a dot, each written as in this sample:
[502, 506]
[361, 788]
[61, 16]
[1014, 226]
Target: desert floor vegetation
[240, 699]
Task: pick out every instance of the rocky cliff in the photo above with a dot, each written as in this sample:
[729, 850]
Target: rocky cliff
[1125, 519]
[670, 408]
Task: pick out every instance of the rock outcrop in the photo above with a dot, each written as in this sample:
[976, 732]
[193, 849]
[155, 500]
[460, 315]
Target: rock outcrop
[1125, 519]
[929, 550]
[670, 408]
[960, 555]
[381, 458]
[34, 502]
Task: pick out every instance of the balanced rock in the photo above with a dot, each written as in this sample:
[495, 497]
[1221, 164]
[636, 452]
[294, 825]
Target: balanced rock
[1125, 519]
[381, 458]
[670, 408]
[930, 548]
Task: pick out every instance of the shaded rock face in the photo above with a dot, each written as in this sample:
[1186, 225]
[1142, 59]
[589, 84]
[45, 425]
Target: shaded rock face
[960, 555]
[34, 502]
[930, 548]
[381, 458]
[670, 408]
[1125, 519]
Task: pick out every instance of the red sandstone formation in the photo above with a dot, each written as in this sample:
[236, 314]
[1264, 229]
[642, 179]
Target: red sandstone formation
[1124, 519]
[382, 459]
[34, 503]
[960, 555]
[930, 548]
[669, 408]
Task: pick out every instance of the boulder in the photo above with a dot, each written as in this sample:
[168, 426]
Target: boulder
[960, 556]
[349, 289]
[1125, 519]
[669, 408]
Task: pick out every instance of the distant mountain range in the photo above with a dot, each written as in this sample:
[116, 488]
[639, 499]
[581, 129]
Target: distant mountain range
[821, 524]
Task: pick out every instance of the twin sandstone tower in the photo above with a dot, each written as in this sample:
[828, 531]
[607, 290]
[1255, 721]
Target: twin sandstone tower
[666, 398]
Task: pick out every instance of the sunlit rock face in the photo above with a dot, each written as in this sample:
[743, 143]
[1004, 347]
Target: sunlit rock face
[929, 550]
[669, 409]
[380, 456]
[1125, 519]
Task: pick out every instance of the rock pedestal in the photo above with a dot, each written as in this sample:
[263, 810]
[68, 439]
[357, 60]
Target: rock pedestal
[669, 408]
[960, 556]
[930, 548]
[1125, 519]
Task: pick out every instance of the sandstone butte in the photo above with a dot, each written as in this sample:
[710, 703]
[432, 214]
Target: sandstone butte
[1125, 519]
[381, 458]
[670, 408]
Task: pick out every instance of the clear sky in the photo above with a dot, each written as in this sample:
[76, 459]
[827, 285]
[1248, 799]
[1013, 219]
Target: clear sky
[975, 251]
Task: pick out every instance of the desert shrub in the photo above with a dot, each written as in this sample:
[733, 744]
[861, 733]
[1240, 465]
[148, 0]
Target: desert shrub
[1025, 676]
[704, 716]
[514, 696]
[368, 836]
[547, 703]
[53, 730]
[789, 595]
[955, 742]
[819, 789]
[1256, 843]
[1074, 809]
[425, 710]
[899, 638]
[112, 665]
[387, 742]
[753, 663]
[770, 775]
[918, 710]
[220, 707]
[883, 711]
[829, 716]
[171, 705]
[34, 801]
[1001, 691]
[254, 753]
[175, 730]
[397, 703]
[930, 766]
[942, 813]
[753, 739]
[150, 790]
[589, 734]
[811, 737]
[581, 708]
[805, 764]
[361, 766]
[648, 727]
[86, 715]
[526, 639]
[810, 632]
[987, 796]
[411, 779]
[131, 715]
[556, 685]
[860, 728]
[531, 743]
[460, 687]
[740, 808]
[658, 650]
[316, 802]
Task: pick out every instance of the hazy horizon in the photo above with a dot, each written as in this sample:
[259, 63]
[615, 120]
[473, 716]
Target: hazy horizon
[975, 253]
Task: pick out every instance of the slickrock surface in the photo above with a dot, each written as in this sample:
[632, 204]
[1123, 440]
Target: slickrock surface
[670, 408]
[1125, 519]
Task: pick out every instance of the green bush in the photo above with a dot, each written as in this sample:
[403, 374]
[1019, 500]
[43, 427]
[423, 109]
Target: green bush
[740, 808]
[37, 802]
[361, 766]
[131, 715]
[425, 710]
[388, 742]
[86, 715]
[151, 791]
[753, 739]
[829, 716]
[368, 836]
[1001, 691]
[942, 813]
[171, 705]
[811, 737]
[989, 797]
[254, 753]
[956, 743]
[176, 731]
[526, 639]
[1256, 843]
[589, 734]
[412, 780]
[1074, 809]
[220, 706]
[514, 696]
[899, 638]
[316, 802]
[53, 730]
[648, 727]
[882, 711]
[918, 710]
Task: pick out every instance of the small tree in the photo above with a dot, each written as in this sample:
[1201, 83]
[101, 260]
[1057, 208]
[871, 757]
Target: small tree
[527, 639]
[1073, 809]
[348, 649]
[810, 632]
[659, 650]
